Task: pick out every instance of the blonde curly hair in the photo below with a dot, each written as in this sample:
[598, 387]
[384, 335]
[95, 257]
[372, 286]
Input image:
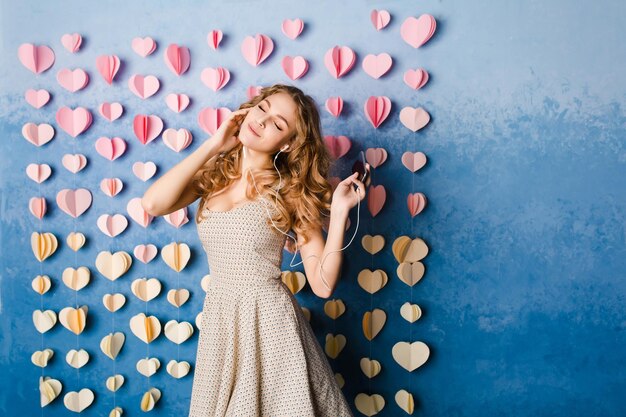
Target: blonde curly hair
[305, 192]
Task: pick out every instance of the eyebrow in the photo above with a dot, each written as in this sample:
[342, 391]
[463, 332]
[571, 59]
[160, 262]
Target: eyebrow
[270, 106]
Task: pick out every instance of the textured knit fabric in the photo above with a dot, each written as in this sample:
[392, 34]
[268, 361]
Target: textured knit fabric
[257, 354]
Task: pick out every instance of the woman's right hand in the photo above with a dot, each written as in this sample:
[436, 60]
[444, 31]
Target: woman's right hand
[226, 135]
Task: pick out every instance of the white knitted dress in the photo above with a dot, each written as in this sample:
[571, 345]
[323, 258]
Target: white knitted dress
[257, 354]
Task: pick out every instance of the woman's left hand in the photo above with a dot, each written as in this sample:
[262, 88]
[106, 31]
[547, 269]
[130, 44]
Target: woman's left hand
[345, 196]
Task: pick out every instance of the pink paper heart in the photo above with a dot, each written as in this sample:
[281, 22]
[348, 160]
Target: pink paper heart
[71, 42]
[110, 149]
[72, 80]
[37, 206]
[416, 32]
[143, 47]
[38, 172]
[377, 65]
[144, 171]
[377, 109]
[74, 162]
[292, 28]
[177, 218]
[380, 18]
[338, 146]
[339, 60]
[416, 79]
[414, 118]
[177, 140]
[256, 49]
[37, 58]
[111, 111]
[112, 225]
[37, 98]
[145, 253]
[39, 134]
[294, 67]
[143, 87]
[74, 202]
[413, 161]
[147, 128]
[111, 186]
[253, 91]
[416, 202]
[177, 102]
[210, 119]
[73, 121]
[376, 199]
[334, 105]
[108, 65]
[376, 156]
[215, 78]
[214, 38]
[137, 213]
[177, 58]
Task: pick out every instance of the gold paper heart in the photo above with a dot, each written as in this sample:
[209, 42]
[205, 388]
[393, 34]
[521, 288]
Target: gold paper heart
[116, 412]
[77, 358]
[373, 244]
[334, 344]
[372, 281]
[49, 389]
[41, 357]
[111, 344]
[148, 366]
[410, 312]
[205, 282]
[178, 369]
[178, 332]
[44, 320]
[113, 265]
[294, 280]
[113, 302]
[410, 356]
[405, 401]
[334, 308]
[410, 272]
[43, 245]
[373, 322]
[76, 279]
[178, 297]
[41, 284]
[370, 405]
[306, 312]
[75, 240]
[145, 328]
[406, 250]
[146, 289]
[114, 382]
[78, 401]
[370, 368]
[176, 255]
[150, 398]
[74, 319]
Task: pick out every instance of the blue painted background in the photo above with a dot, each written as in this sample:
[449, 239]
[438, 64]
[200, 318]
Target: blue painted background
[523, 297]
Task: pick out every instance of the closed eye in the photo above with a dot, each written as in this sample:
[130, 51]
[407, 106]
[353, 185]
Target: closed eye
[274, 123]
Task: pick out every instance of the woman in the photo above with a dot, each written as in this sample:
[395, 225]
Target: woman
[262, 174]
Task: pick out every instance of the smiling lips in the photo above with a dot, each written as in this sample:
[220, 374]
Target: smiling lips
[253, 131]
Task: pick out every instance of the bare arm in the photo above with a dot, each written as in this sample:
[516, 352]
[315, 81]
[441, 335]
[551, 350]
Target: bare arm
[173, 191]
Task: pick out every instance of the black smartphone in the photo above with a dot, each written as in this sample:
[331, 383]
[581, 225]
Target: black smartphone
[360, 166]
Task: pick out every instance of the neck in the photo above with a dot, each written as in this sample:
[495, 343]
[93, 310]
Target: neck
[253, 160]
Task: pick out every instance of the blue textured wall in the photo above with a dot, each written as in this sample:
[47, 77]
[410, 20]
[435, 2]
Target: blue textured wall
[523, 297]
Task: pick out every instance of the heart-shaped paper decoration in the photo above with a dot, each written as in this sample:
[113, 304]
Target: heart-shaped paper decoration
[177, 102]
[177, 218]
[39, 134]
[373, 322]
[40, 358]
[112, 344]
[177, 58]
[376, 199]
[410, 312]
[76, 279]
[294, 67]
[150, 398]
[370, 368]
[143, 46]
[112, 225]
[74, 319]
[417, 31]
[37, 98]
[49, 389]
[177, 297]
[214, 38]
[143, 87]
[410, 356]
[113, 265]
[178, 369]
[253, 91]
[256, 49]
[44, 320]
[74, 202]
[294, 280]
[413, 161]
[144, 171]
[373, 244]
[72, 42]
[77, 358]
[37, 58]
[370, 405]
[211, 118]
[215, 78]
[406, 249]
[74, 121]
[148, 366]
[111, 111]
[405, 401]
[110, 149]
[380, 18]
[38, 172]
[138, 213]
[377, 65]
[338, 146]
[372, 281]
[78, 401]
[334, 308]
[334, 105]
[114, 382]
[176, 255]
[113, 302]
[146, 289]
[414, 118]
[145, 253]
[41, 284]
[111, 186]
[416, 79]
[292, 28]
[74, 162]
[177, 140]
[410, 272]
[339, 60]
[334, 345]
[75, 240]
[416, 202]
[377, 108]
[37, 206]
[178, 332]
[205, 282]
[43, 245]
[72, 80]
[146, 328]
[147, 128]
